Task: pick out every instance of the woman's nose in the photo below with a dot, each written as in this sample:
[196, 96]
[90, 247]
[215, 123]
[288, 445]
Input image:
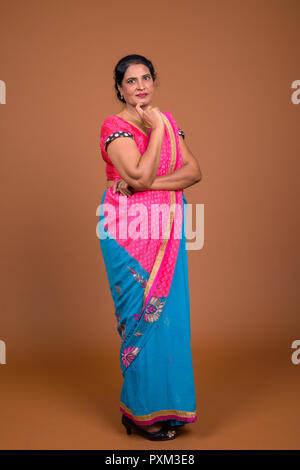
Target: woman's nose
[140, 86]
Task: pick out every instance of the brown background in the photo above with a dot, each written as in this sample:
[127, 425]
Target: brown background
[225, 70]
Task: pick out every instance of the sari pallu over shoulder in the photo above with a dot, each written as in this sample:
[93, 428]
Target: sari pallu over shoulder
[140, 271]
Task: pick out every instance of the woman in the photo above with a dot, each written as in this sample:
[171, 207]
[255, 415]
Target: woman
[148, 275]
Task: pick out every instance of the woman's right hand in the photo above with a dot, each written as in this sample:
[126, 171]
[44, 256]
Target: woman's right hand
[151, 116]
[121, 186]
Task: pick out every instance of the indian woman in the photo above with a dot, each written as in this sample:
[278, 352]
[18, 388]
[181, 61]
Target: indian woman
[148, 165]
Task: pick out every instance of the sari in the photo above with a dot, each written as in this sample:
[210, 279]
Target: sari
[148, 281]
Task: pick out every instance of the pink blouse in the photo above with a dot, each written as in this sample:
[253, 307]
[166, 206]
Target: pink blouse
[115, 126]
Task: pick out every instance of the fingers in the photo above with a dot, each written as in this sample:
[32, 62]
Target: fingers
[120, 186]
[139, 110]
[126, 192]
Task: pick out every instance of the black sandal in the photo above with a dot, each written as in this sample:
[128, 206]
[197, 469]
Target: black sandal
[161, 435]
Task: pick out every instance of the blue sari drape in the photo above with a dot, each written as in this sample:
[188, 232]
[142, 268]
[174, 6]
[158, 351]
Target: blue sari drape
[159, 384]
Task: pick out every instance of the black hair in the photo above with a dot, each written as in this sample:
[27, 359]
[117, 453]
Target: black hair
[123, 65]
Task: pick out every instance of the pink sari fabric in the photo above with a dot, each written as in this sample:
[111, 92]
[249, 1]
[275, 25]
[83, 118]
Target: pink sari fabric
[156, 255]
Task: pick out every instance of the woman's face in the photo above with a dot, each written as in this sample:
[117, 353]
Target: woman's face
[136, 81]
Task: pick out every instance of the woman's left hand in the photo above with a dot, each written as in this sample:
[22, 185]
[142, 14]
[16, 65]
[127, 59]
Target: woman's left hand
[121, 186]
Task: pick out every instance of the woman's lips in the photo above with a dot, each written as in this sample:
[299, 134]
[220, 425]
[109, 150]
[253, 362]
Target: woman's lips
[142, 95]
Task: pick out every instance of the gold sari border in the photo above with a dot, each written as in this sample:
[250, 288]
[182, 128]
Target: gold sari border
[166, 414]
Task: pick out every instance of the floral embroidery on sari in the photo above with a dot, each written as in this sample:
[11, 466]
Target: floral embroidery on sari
[138, 277]
[129, 355]
[153, 310]
[118, 289]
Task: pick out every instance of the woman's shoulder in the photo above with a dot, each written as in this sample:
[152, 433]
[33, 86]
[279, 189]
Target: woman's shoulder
[113, 119]
[109, 120]
[114, 123]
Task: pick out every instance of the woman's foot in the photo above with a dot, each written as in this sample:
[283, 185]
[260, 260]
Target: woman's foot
[157, 427]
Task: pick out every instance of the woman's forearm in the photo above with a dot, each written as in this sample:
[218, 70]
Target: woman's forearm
[179, 179]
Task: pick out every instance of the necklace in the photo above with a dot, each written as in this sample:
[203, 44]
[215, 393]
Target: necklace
[148, 127]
